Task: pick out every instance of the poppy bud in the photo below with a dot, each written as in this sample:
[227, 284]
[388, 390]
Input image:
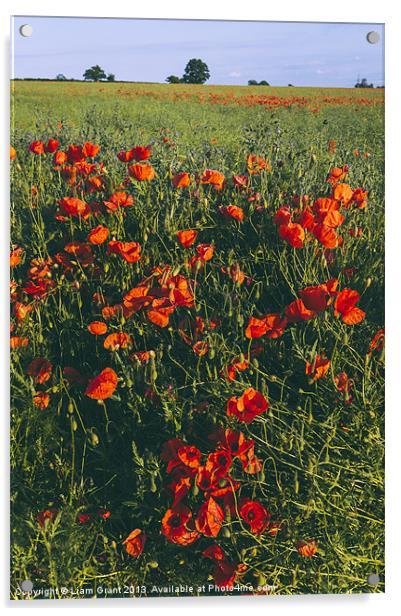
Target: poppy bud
[106, 267]
[94, 439]
[70, 409]
[226, 532]
[261, 579]
[74, 425]
[368, 282]
[153, 564]
[212, 353]
[145, 237]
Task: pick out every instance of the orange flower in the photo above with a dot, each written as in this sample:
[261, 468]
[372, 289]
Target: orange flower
[345, 306]
[52, 146]
[160, 311]
[326, 236]
[318, 368]
[271, 325]
[233, 211]
[37, 147]
[40, 370]
[251, 404]
[307, 548]
[297, 311]
[135, 542]
[256, 164]
[117, 341]
[359, 198]
[205, 251]
[13, 153]
[74, 207]
[177, 525]
[60, 158]
[103, 385]
[142, 172]
[189, 455]
[17, 342]
[201, 347]
[377, 342]
[140, 152]
[336, 174]
[215, 178]
[118, 199]
[343, 193]
[210, 518]
[342, 381]
[181, 180]
[129, 251]
[90, 150]
[318, 297]
[97, 328]
[44, 517]
[187, 238]
[255, 515]
[292, 233]
[15, 256]
[136, 298]
[98, 235]
[41, 400]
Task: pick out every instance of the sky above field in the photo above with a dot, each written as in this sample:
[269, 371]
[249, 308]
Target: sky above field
[303, 54]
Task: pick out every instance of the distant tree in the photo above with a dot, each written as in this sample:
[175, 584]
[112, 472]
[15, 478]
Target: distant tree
[290, 85]
[196, 71]
[111, 77]
[263, 83]
[252, 82]
[61, 77]
[363, 83]
[173, 79]
[95, 73]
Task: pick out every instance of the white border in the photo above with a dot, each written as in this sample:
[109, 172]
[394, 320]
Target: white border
[367, 11]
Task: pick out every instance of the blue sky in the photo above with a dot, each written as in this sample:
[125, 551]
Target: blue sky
[304, 54]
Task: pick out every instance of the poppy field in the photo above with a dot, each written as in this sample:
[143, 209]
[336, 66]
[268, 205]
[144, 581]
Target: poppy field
[197, 340]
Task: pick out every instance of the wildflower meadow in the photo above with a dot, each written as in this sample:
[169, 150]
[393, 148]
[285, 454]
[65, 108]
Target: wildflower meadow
[197, 340]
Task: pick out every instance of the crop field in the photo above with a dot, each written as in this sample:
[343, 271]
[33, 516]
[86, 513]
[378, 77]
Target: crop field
[197, 340]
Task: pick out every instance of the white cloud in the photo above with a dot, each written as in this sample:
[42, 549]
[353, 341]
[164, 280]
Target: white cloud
[234, 74]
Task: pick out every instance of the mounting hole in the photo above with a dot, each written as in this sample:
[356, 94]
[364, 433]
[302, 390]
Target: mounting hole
[373, 37]
[373, 579]
[27, 586]
[26, 30]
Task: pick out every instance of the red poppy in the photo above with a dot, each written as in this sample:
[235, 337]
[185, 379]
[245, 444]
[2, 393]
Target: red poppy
[46, 516]
[326, 236]
[117, 341]
[187, 238]
[18, 342]
[345, 306]
[129, 251]
[98, 235]
[256, 164]
[40, 370]
[377, 342]
[297, 311]
[139, 153]
[177, 525]
[233, 211]
[241, 181]
[135, 542]
[205, 251]
[255, 515]
[316, 297]
[189, 455]
[292, 233]
[181, 180]
[13, 153]
[210, 518]
[282, 216]
[224, 572]
[41, 400]
[119, 199]
[215, 178]
[74, 207]
[307, 548]
[142, 172]
[52, 145]
[90, 150]
[251, 404]
[317, 368]
[343, 193]
[37, 147]
[84, 518]
[343, 382]
[103, 385]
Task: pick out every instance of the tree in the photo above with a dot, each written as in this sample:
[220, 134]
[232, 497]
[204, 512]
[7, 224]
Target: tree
[95, 73]
[111, 77]
[363, 84]
[252, 82]
[61, 77]
[173, 79]
[196, 71]
[264, 83]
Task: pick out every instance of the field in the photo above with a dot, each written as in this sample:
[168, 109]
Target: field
[203, 409]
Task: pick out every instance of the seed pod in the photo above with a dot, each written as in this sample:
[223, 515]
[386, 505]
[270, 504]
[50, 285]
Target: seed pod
[226, 532]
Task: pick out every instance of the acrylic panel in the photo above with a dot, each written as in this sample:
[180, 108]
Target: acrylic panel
[197, 308]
